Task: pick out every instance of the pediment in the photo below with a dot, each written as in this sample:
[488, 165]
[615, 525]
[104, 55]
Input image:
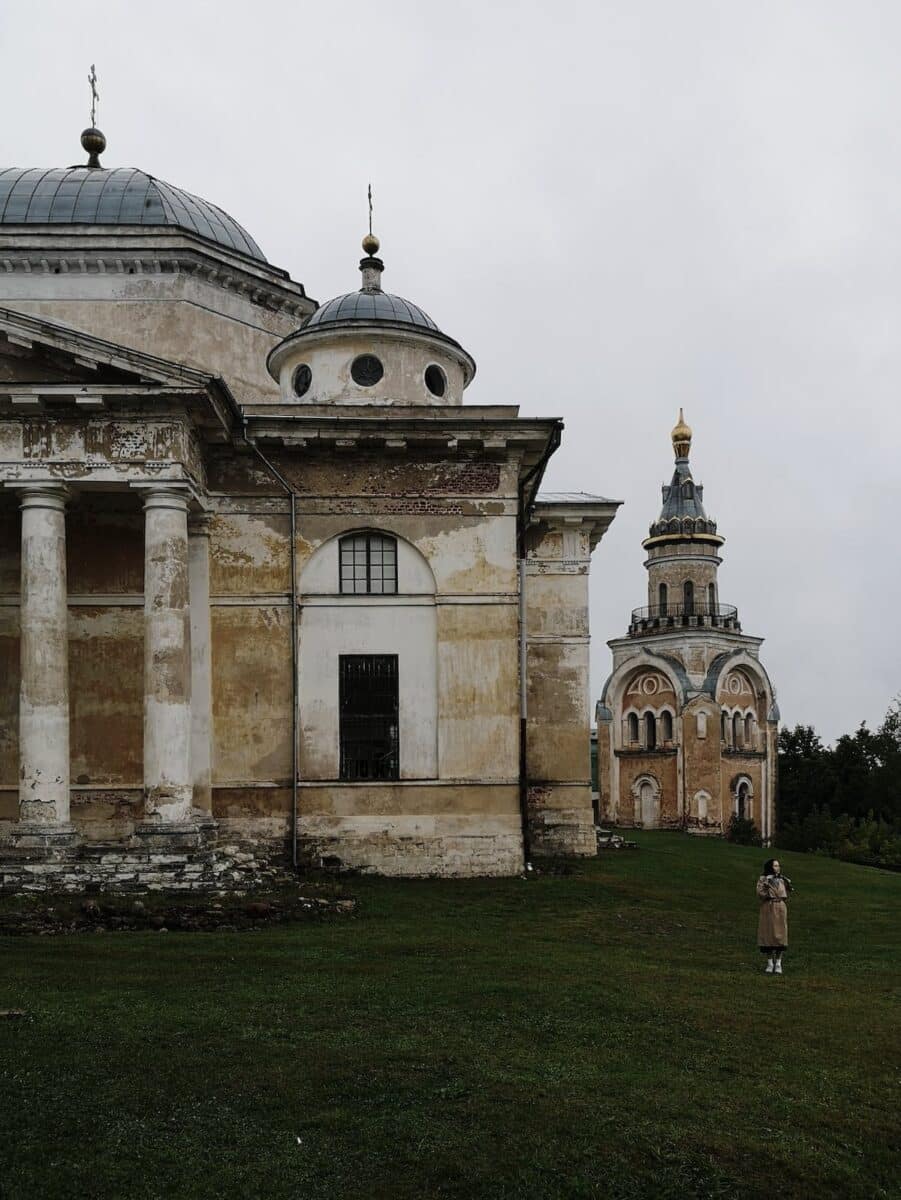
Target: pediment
[35, 351]
[44, 365]
[36, 363]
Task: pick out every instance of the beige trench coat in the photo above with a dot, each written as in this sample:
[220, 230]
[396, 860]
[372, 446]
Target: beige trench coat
[772, 927]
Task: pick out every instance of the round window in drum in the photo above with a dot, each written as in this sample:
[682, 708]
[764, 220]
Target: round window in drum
[303, 377]
[435, 380]
[366, 370]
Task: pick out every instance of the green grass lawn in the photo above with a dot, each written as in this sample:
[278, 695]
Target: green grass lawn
[608, 1033]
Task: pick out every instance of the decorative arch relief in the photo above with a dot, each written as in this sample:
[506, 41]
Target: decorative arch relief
[737, 684]
[648, 685]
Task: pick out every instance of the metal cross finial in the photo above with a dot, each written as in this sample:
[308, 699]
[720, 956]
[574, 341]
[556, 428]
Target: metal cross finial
[370, 209]
[95, 95]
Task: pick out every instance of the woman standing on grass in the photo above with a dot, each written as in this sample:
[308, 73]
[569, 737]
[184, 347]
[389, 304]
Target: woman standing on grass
[773, 890]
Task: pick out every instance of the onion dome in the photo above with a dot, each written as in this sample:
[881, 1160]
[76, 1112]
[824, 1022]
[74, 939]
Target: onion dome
[124, 196]
[681, 436]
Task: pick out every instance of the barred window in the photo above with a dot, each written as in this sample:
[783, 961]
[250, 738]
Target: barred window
[368, 564]
[368, 697]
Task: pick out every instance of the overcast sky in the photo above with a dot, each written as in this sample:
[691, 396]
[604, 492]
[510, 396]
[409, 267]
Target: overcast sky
[618, 208]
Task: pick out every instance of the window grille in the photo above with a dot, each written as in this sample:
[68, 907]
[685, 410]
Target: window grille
[368, 705]
[368, 564]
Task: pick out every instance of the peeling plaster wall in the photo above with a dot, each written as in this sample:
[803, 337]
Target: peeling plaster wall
[561, 813]
[439, 829]
[251, 654]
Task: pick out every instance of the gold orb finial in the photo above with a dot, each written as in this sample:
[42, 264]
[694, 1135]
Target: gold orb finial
[371, 244]
[93, 141]
[681, 436]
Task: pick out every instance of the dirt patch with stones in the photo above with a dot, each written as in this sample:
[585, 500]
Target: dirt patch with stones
[27, 915]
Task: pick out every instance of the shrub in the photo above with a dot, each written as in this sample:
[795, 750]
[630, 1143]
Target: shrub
[743, 832]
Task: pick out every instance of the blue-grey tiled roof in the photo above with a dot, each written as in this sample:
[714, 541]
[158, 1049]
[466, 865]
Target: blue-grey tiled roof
[370, 305]
[121, 196]
[682, 497]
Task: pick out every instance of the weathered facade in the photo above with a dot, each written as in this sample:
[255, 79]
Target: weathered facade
[269, 591]
[687, 722]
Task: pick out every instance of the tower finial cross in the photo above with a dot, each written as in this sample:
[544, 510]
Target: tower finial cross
[95, 95]
[369, 194]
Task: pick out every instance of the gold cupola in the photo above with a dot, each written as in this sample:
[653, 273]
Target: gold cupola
[681, 436]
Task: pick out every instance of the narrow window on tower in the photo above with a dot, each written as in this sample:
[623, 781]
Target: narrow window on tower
[650, 731]
[711, 598]
[662, 598]
[368, 703]
[633, 728]
[368, 564]
[688, 597]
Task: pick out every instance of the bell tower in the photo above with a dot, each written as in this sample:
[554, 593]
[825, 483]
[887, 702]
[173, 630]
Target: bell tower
[683, 550]
[687, 722]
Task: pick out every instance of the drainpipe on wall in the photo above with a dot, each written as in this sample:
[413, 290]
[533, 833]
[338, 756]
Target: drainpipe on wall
[525, 511]
[293, 559]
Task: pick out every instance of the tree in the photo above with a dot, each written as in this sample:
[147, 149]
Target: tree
[843, 800]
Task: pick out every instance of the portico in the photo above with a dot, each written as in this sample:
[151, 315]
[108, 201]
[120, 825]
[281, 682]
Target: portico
[171, 608]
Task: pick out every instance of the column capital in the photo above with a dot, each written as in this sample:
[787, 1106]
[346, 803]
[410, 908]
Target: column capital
[41, 494]
[165, 495]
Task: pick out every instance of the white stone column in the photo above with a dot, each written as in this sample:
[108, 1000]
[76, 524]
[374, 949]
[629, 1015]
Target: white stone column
[168, 782]
[44, 656]
[201, 665]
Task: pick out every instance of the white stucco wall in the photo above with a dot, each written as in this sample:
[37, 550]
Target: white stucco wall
[332, 625]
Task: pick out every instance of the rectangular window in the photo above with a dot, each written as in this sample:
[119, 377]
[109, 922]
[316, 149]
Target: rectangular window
[368, 564]
[368, 701]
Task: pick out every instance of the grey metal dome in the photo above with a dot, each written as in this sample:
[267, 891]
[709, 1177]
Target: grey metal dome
[369, 305]
[121, 196]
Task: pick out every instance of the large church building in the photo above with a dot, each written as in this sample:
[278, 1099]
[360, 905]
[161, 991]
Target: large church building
[270, 591]
[687, 721]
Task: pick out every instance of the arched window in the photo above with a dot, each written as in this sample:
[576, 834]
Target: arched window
[666, 726]
[650, 732]
[743, 806]
[724, 731]
[711, 598]
[368, 564]
[633, 728]
[662, 598]
[749, 731]
[736, 730]
[688, 597]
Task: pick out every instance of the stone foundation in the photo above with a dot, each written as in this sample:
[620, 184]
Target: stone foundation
[561, 821]
[193, 859]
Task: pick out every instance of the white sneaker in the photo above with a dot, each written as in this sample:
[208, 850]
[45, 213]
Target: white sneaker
[778, 968]
[769, 966]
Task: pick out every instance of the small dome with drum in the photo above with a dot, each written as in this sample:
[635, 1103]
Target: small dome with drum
[371, 347]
